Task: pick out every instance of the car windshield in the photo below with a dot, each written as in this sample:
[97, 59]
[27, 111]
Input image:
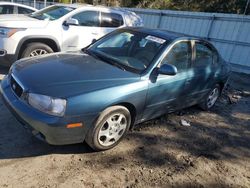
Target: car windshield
[52, 13]
[130, 50]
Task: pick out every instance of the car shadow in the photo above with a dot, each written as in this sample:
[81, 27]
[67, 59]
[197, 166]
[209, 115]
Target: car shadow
[4, 70]
[17, 142]
[14, 147]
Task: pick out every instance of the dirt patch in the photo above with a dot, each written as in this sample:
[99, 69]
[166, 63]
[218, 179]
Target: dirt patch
[214, 151]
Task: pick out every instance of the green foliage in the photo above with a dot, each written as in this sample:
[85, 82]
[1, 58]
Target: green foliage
[64, 1]
[223, 6]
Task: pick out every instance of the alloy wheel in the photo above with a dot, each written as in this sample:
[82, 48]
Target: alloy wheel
[112, 129]
[213, 96]
[37, 52]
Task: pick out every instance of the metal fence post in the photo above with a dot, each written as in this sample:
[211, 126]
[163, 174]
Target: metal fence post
[210, 27]
[246, 7]
[159, 22]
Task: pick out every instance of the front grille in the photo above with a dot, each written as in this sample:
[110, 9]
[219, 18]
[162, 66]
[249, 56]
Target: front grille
[18, 90]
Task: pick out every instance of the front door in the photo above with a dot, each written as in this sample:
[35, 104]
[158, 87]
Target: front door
[165, 92]
[76, 37]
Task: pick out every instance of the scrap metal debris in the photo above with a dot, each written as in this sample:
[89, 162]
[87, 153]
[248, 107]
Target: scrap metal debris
[185, 123]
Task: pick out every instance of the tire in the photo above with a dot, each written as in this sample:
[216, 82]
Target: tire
[211, 98]
[109, 130]
[36, 48]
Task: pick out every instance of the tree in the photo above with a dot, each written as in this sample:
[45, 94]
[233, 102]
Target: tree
[222, 6]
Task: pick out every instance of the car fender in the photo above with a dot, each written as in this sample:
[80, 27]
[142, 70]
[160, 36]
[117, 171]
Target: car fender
[97, 101]
[35, 38]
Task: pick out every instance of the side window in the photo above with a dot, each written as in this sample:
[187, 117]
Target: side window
[6, 9]
[111, 20]
[204, 55]
[22, 10]
[88, 18]
[179, 56]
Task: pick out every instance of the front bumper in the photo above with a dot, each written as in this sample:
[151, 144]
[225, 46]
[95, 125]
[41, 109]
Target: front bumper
[9, 46]
[50, 128]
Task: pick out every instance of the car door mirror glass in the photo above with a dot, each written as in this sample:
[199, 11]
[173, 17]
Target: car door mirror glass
[71, 21]
[167, 69]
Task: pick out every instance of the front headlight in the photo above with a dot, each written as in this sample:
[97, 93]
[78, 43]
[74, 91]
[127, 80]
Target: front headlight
[8, 32]
[47, 104]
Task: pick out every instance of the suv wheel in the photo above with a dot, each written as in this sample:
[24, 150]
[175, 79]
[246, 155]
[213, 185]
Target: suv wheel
[35, 49]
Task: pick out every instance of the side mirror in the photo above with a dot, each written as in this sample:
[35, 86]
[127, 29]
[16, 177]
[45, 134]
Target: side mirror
[167, 69]
[93, 41]
[71, 21]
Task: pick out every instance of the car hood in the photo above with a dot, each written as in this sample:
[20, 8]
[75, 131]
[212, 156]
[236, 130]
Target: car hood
[21, 21]
[69, 74]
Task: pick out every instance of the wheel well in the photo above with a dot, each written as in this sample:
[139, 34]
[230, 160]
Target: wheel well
[221, 84]
[51, 43]
[132, 111]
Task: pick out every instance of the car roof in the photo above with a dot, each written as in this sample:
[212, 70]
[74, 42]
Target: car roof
[82, 5]
[18, 4]
[165, 34]
[168, 35]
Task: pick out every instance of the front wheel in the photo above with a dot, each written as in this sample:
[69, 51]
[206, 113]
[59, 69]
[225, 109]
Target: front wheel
[211, 98]
[35, 49]
[109, 129]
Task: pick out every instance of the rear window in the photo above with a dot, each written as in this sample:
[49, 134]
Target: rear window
[111, 20]
[22, 10]
[204, 55]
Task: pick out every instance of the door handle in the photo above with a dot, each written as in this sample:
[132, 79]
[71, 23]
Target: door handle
[94, 33]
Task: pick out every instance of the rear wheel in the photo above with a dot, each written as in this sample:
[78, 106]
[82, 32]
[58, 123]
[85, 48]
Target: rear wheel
[111, 126]
[211, 98]
[35, 49]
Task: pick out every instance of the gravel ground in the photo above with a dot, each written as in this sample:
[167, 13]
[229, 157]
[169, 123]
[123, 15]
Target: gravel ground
[214, 151]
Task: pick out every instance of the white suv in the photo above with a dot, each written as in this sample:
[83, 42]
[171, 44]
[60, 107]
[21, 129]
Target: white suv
[58, 28]
[15, 8]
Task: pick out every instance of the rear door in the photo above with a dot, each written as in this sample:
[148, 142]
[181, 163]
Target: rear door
[202, 73]
[165, 94]
[110, 21]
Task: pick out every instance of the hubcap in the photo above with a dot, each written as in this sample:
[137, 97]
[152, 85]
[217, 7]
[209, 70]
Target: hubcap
[37, 52]
[213, 96]
[112, 129]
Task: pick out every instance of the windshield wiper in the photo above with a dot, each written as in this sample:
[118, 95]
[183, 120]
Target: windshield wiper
[104, 58]
[86, 51]
[36, 17]
[111, 61]
[117, 65]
